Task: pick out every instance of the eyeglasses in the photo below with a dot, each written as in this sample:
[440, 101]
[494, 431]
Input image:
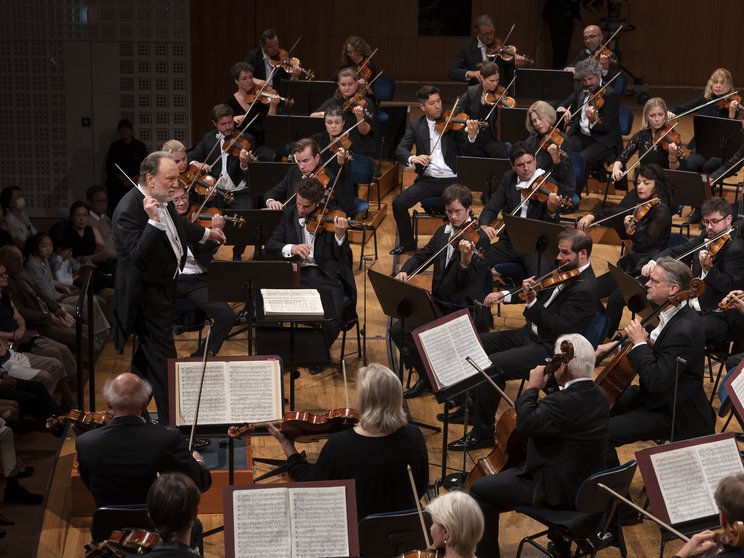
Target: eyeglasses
[712, 222]
[593, 36]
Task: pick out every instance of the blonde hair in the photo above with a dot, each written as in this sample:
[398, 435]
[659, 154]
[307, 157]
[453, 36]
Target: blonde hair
[718, 73]
[650, 104]
[379, 399]
[544, 111]
[460, 514]
[173, 146]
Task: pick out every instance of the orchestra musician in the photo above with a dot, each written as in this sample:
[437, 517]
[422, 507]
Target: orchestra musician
[356, 109]
[566, 434]
[374, 452]
[343, 192]
[510, 194]
[260, 58]
[435, 160]
[475, 102]
[459, 277]
[593, 39]
[671, 357]
[354, 53]
[648, 236]
[325, 256]
[173, 506]
[735, 317]
[721, 272]
[456, 524]
[565, 309]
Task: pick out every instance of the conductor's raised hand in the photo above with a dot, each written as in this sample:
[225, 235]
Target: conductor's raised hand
[151, 207]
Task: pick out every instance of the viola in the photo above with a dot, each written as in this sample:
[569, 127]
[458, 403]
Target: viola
[322, 176]
[603, 52]
[123, 543]
[619, 374]
[288, 63]
[357, 100]
[598, 102]
[555, 279]
[500, 95]
[303, 426]
[266, 95]
[362, 70]
[204, 217]
[714, 248]
[665, 136]
[84, 420]
[730, 537]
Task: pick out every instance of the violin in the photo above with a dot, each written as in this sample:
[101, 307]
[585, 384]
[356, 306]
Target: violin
[457, 123]
[507, 53]
[667, 136]
[362, 70]
[469, 231]
[715, 247]
[728, 300]
[203, 184]
[84, 420]
[322, 176]
[730, 537]
[344, 142]
[428, 553]
[315, 223]
[303, 426]
[123, 543]
[555, 138]
[500, 95]
[205, 215]
[357, 100]
[554, 279]
[723, 104]
[640, 213]
[235, 143]
[540, 189]
[288, 63]
[619, 373]
[604, 52]
[598, 102]
[266, 95]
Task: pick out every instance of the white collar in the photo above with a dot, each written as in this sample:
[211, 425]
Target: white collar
[574, 381]
[522, 185]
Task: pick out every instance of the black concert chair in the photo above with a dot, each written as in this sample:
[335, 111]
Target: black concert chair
[363, 170]
[347, 324]
[116, 518]
[433, 209]
[188, 317]
[391, 534]
[593, 525]
[625, 121]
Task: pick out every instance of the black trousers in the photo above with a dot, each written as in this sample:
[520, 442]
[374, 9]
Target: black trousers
[194, 287]
[419, 190]
[34, 399]
[311, 277]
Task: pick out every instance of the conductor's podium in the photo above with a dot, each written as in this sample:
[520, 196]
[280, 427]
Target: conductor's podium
[216, 459]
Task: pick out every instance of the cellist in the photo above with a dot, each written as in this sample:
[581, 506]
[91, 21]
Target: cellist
[567, 441]
[673, 350]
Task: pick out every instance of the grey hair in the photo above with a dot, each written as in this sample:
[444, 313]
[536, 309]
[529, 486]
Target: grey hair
[588, 67]
[380, 399]
[460, 514]
[139, 399]
[675, 271]
[151, 164]
[582, 363]
[482, 20]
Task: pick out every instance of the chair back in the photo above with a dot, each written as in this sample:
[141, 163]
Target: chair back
[676, 239]
[625, 120]
[597, 329]
[384, 88]
[591, 499]
[116, 518]
[620, 84]
[579, 166]
[362, 169]
[391, 534]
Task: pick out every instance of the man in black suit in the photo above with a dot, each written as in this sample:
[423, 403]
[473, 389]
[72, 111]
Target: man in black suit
[150, 241]
[259, 59]
[435, 160]
[593, 39]
[120, 461]
[483, 46]
[595, 132]
[565, 309]
[231, 172]
[508, 197]
[325, 258]
[721, 274]
[459, 280]
[566, 435]
[644, 412]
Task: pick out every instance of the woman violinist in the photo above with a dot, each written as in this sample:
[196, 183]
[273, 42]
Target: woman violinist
[549, 146]
[375, 452]
[356, 53]
[648, 228]
[457, 524]
[343, 191]
[357, 108]
[478, 102]
[667, 153]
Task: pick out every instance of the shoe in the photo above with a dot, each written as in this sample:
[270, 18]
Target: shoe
[22, 496]
[315, 370]
[401, 249]
[456, 417]
[418, 388]
[470, 442]
[6, 521]
[560, 551]
[27, 472]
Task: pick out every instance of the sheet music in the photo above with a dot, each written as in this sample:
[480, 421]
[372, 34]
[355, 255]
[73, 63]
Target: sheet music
[447, 345]
[292, 301]
[255, 391]
[719, 459]
[214, 402]
[736, 388]
[319, 526]
[262, 523]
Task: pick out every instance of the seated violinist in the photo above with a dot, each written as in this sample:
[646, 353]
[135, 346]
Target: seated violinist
[173, 506]
[343, 191]
[733, 303]
[720, 264]
[566, 308]
[458, 281]
[729, 497]
[511, 198]
[357, 109]
[456, 524]
[324, 256]
[548, 144]
[671, 355]
[374, 452]
[264, 58]
[357, 55]
[566, 434]
[593, 40]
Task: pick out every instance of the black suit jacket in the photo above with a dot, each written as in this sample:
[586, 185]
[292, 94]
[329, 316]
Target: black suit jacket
[120, 461]
[567, 443]
[452, 286]
[452, 143]
[468, 58]
[287, 185]
[144, 256]
[199, 153]
[607, 132]
[681, 337]
[255, 59]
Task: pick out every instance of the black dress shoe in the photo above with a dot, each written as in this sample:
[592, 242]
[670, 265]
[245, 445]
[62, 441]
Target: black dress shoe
[20, 495]
[6, 520]
[470, 442]
[27, 472]
[418, 388]
[400, 249]
[457, 416]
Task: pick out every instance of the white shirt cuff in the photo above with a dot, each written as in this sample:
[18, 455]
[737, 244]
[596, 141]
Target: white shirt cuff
[156, 224]
[639, 344]
[287, 250]
[205, 236]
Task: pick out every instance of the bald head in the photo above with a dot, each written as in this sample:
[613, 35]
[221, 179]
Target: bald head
[592, 37]
[127, 394]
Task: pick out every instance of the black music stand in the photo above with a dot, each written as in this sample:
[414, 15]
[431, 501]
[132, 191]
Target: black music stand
[531, 236]
[717, 137]
[263, 176]
[481, 174]
[634, 293]
[307, 95]
[543, 84]
[511, 124]
[689, 188]
[259, 224]
[282, 129]
[231, 281]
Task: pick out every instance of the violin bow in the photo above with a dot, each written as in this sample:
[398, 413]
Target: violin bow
[446, 123]
[723, 174]
[342, 134]
[500, 100]
[542, 278]
[726, 96]
[366, 87]
[328, 194]
[472, 363]
[621, 212]
[418, 506]
[705, 243]
[424, 265]
[607, 42]
[653, 145]
[346, 385]
[258, 96]
[506, 40]
[591, 98]
[553, 129]
[201, 385]
[364, 65]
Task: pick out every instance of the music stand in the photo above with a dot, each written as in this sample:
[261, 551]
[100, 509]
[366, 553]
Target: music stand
[259, 224]
[689, 188]
[264, 176]
[481, 174]
[634, 294]
[282, 129]
[307, 95]
[531, 236]
[717, 137]
[543, 84]
[511, 126]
